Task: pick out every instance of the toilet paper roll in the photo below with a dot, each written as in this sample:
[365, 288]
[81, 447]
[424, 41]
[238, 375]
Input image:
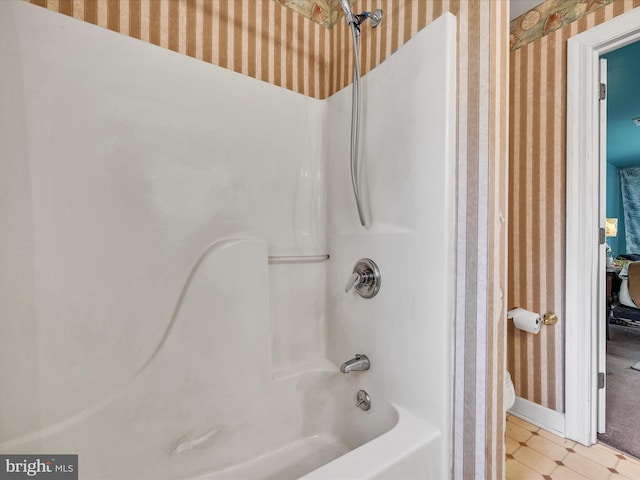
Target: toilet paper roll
[525, 320]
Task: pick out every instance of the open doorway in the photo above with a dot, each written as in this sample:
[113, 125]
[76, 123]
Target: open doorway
[585, 324]
[622, 425]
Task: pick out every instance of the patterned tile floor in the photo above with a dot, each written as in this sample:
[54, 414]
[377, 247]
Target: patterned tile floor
[534, 453]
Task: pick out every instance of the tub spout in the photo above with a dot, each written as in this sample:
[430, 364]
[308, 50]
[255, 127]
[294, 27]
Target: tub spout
[357, 363]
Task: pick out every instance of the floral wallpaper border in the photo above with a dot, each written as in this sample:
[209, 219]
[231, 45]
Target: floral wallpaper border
[323, 12]
[549, 16]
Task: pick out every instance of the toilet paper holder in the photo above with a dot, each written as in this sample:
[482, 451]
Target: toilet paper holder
[549, 318]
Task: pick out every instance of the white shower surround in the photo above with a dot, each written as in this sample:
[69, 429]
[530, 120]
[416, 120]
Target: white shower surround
[144, 327]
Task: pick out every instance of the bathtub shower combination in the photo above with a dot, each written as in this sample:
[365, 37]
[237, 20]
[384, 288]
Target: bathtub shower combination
[186, 290]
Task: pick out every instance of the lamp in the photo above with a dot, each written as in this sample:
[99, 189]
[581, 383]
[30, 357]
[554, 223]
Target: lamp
[610, 230]
[611, 227]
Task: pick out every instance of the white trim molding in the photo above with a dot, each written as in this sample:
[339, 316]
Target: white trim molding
[539, 416]
[582, 219]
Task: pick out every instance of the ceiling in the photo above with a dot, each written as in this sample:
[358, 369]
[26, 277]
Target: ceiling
[518, 7]
[623, 105]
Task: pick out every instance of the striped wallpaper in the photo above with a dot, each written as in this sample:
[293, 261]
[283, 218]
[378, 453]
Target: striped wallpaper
[498, 178]
[537, 140]
[263, 39]
[247, 36]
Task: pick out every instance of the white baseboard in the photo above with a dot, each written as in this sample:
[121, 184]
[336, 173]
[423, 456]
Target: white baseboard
[539, 416]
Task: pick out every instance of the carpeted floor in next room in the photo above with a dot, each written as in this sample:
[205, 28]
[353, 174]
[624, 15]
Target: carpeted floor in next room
[623, 390]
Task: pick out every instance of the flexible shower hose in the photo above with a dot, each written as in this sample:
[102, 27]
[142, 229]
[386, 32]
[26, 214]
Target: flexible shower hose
[355, 122]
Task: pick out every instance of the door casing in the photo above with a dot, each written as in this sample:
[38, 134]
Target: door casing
[584, 280]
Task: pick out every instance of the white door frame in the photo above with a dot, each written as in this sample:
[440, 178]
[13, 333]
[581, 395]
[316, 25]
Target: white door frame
[603, 320]
[583, 279]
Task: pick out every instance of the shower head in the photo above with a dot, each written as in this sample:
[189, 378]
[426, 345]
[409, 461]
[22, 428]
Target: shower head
[375, 17]
[356, 20]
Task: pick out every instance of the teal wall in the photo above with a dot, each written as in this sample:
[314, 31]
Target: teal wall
[614, 209]
[623, 105]
[623, 135]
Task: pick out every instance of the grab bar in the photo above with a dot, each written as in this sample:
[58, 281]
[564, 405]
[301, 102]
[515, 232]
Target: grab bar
[277, 259]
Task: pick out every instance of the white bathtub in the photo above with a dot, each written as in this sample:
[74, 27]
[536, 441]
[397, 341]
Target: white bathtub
[404, 452]
[169, 420]
[408, 451]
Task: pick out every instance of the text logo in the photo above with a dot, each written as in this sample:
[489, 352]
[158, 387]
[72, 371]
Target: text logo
[49, 467]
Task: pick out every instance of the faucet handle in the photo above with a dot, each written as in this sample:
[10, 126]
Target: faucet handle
[365, 277]
[354, 280]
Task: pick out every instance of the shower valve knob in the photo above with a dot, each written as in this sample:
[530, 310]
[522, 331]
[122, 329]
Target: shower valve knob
[365, 278]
